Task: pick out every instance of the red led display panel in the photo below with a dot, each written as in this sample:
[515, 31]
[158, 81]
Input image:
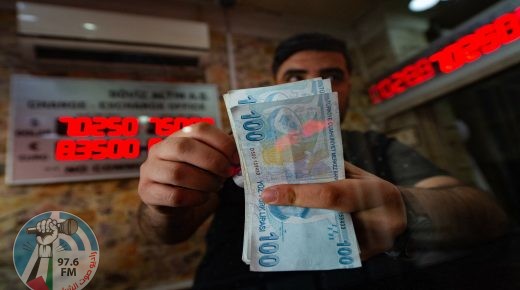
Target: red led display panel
[484, 40]
[100, 138]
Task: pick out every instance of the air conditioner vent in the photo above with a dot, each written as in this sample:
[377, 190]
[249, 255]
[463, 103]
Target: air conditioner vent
[56, 53]
[52, 32]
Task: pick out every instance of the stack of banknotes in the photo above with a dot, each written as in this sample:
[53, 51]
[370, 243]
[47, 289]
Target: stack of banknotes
[290, 134]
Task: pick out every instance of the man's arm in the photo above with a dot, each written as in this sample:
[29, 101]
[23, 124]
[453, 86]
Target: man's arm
[460, 215]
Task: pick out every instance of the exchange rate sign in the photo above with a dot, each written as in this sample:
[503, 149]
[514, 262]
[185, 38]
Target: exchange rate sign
[83, 129]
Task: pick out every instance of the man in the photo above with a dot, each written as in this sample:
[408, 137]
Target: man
[404, 205]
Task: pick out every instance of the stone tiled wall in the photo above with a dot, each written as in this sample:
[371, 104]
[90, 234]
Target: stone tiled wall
[253, 64]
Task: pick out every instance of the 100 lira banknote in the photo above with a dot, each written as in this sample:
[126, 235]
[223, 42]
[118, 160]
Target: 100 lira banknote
[292, 140]
[261, 95]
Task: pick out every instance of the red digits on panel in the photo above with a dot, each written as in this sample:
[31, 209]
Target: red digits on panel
[384, 89]
[449, 59]
[166, 126]
[117, 126]
[79, 150]
[469, 46]
[65, 150]
[418, 72]
[99, 149]
[100, 126]
[132, 149]
[130, 127]
[76, 127]
[508, 27]
[411, 75]
[426, 68]
[83, 150]
[489, 38]
[170, 125]
[397, 85]
[163, 126]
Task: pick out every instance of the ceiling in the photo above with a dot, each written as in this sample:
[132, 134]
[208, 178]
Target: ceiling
[330, 11]
[339, 14]
[448, 13]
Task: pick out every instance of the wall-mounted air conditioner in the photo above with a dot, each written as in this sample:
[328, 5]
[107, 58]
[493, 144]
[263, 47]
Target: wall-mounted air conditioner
[51, 32]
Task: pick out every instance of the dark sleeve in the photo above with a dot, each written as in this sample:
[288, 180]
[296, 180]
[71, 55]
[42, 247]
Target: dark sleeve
[408, 166]
[387, 158]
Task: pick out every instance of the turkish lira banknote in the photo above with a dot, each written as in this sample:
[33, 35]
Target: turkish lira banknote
[287, 135]
[261, 95]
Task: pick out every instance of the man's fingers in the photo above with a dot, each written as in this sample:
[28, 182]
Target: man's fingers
[192, 151]
[348, 195]
[213, 137]
[172, 196]
[184, 168]
[182, 175]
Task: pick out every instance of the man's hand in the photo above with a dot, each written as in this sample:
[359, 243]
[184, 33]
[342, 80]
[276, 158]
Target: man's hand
[183, 169]
[376, 205]
[182, 174]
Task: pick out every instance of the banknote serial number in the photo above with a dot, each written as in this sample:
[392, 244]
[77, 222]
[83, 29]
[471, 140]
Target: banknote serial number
[256, 164]
[268, 249]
